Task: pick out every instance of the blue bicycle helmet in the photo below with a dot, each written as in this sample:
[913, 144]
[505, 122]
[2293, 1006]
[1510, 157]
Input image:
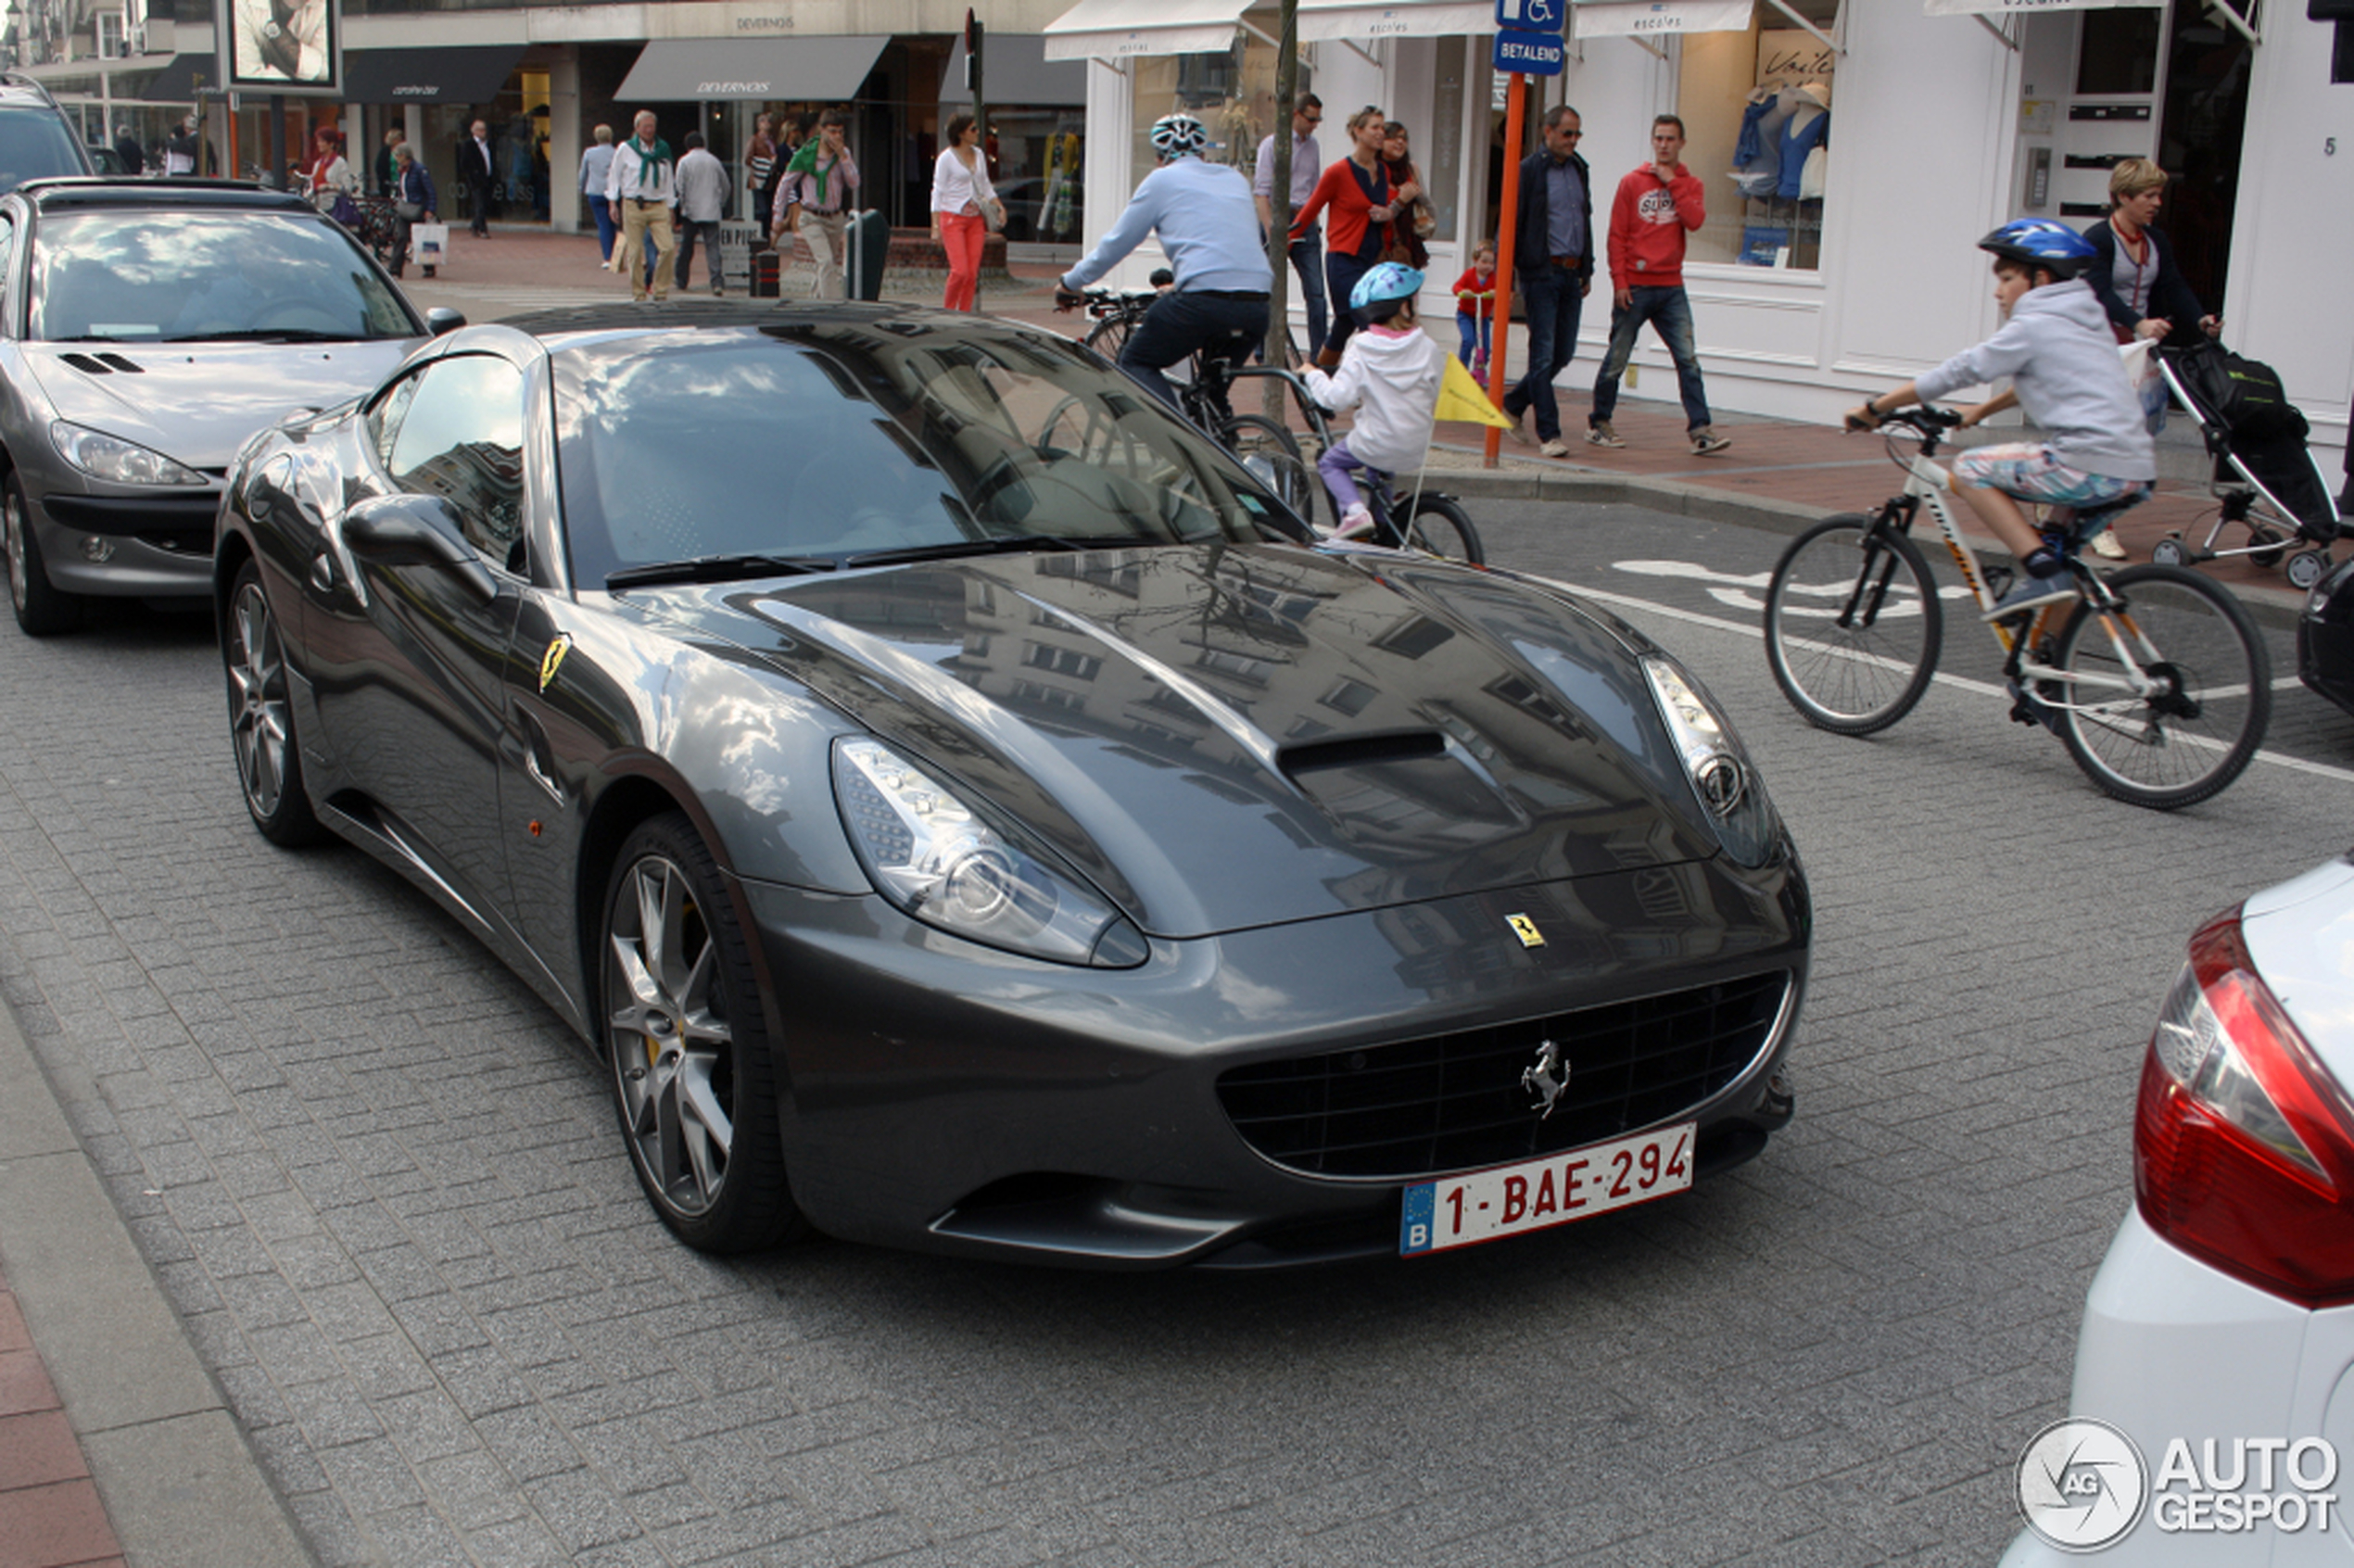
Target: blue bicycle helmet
[2039, 242]
[1389, 281]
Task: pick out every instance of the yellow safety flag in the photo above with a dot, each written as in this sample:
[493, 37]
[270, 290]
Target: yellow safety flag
[1460, 398]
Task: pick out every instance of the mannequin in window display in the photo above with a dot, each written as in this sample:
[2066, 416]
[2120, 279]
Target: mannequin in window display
[1802, 136]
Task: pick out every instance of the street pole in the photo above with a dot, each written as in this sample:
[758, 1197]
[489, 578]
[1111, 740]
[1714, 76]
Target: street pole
[1515, 127]
[1279, 203]
[980, 118]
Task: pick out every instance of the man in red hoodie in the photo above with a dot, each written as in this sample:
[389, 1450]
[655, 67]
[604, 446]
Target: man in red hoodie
[1656, 204]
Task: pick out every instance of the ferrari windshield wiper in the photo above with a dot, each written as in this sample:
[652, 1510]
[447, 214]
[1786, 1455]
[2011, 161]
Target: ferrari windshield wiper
[996, 544]
[716, 569]
[266, 334]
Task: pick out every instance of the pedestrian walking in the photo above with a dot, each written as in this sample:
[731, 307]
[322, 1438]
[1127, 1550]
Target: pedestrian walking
[478, 171]
[961, 195]
[414, 202]
[814, 200]
[1416, 220]
[644, 187]
[330, 180]
[386, 169]
[1355, 190]
[703, 197]
[596, 164]
[1552, 270]
[1476, 308]
[1307, 250]
[126, 147]
[760, 166]
[180, 150]
[1657, 204]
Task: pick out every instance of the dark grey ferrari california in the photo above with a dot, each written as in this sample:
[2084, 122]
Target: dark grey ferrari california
[962, 809]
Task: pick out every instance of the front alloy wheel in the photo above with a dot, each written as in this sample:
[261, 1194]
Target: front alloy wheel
[261, 717]
[692, 1079]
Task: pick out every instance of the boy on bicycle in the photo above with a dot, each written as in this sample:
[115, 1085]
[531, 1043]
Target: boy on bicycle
[1389, 373]
[2057, 347]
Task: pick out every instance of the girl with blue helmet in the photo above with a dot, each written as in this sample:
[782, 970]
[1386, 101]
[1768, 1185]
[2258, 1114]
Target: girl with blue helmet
[2057, 347]
[1389, 373]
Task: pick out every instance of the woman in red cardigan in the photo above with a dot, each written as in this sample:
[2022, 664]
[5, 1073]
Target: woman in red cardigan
[1357, 191]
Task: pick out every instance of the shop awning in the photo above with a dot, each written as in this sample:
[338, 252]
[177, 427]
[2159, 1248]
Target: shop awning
[1324, 20]
[1643, 19]
[1990, 7]
[472, 74]
[176, 82]
[1111, 30]
[690, 69]
[1015, 70]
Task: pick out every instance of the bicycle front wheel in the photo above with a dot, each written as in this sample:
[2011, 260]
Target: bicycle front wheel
[1268, 450]
[1440, 526]
[2205, 689]
[1852, 625]
[1107, 336]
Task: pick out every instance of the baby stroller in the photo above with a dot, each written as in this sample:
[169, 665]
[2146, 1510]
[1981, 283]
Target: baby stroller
[2264, 475]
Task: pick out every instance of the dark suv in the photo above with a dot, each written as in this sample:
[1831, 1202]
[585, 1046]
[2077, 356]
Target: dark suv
[37, 141]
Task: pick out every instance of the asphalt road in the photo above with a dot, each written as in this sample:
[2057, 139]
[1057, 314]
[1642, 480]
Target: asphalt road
[382, 1185]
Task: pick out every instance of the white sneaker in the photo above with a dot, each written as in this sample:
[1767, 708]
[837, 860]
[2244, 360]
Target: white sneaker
[2105, 545]
[1602, 436]
[1355, 524]
[1705, 440]
[1556, 447]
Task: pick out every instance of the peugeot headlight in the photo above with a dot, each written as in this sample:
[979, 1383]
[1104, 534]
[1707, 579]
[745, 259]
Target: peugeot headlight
[944, 862]
[1722, 777]
[116, 461]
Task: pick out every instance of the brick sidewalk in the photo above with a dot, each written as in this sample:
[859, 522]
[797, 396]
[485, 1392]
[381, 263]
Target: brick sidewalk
[50, 1516]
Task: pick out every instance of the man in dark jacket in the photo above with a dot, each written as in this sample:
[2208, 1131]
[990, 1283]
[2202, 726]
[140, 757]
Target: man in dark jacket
[478, 171]
[126, 147]
[1552, 268]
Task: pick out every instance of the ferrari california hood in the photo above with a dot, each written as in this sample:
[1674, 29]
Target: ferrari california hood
[197, 402]
[1232, 736]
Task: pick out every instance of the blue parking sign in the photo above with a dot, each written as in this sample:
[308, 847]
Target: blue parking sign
[1531, 15]
[1530, 54]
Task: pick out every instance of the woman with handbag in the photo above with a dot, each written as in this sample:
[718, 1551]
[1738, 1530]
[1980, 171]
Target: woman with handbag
[331, 178]
[964, 208]
[413, 203]
[1416, 220]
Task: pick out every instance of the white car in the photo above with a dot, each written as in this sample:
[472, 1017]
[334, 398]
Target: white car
[2219, 1335]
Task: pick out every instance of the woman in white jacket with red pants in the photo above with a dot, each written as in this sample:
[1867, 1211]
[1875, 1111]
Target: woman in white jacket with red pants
[960, 192]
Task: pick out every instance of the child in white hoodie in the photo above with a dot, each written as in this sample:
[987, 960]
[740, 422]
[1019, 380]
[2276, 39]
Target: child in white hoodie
[1390, 374]
[2062, 359]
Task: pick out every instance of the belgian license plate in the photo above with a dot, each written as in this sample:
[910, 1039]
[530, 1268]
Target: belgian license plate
[1575, 1184]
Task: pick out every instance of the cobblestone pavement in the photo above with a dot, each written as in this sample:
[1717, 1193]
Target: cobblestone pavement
[381, 1185]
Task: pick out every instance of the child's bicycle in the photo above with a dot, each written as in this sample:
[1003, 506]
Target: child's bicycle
[2154, 677]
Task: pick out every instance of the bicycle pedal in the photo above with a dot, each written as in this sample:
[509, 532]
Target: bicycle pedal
[2027, 710]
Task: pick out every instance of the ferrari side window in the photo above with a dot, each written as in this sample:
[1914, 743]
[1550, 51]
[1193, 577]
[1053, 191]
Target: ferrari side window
[383, 418]
[8, 254]
[461, 438]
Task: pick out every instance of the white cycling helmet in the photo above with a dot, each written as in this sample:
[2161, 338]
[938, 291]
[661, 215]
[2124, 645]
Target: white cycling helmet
[1178, 135]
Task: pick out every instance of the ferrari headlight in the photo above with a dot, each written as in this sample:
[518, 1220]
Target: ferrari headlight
[942, 862]
[116, 461]
[1722, 777]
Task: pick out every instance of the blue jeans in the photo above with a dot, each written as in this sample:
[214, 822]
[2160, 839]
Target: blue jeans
[1555, 297]
[1308, 261]
[1341, 273]
[603, 212]
[1670, 314]
[1477, 332]
[688, 233]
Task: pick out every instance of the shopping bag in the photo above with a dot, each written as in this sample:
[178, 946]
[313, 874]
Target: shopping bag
[432, 243]
[2149, 387]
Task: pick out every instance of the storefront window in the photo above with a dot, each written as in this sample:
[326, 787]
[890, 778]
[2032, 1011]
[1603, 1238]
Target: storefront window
[1757, 119]
[1232, 93]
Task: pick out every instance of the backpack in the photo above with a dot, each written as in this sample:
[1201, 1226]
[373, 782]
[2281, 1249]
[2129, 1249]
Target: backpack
[2243, 396]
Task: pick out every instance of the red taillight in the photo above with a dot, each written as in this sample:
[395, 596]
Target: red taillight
[2243, 1143]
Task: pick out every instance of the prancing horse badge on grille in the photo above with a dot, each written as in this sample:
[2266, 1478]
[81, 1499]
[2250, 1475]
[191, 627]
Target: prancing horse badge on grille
[1547, 1080]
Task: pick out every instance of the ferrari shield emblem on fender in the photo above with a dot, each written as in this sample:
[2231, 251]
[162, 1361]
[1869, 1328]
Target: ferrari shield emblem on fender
[1523, 926]
[553, 660]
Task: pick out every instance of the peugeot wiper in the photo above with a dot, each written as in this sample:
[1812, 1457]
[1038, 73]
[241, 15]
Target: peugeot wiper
[716, 569]
[995, 544]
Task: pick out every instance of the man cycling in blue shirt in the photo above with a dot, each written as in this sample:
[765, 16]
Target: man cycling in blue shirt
[1208, 227]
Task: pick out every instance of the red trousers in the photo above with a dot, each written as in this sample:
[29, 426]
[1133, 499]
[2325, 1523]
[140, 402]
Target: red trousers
[963, 233]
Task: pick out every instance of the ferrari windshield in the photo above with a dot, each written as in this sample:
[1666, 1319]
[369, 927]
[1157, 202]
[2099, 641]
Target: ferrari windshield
[179, 276]
[889, 439]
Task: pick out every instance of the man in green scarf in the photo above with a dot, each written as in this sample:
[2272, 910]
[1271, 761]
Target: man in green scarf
[814, 199]
[641, 186]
